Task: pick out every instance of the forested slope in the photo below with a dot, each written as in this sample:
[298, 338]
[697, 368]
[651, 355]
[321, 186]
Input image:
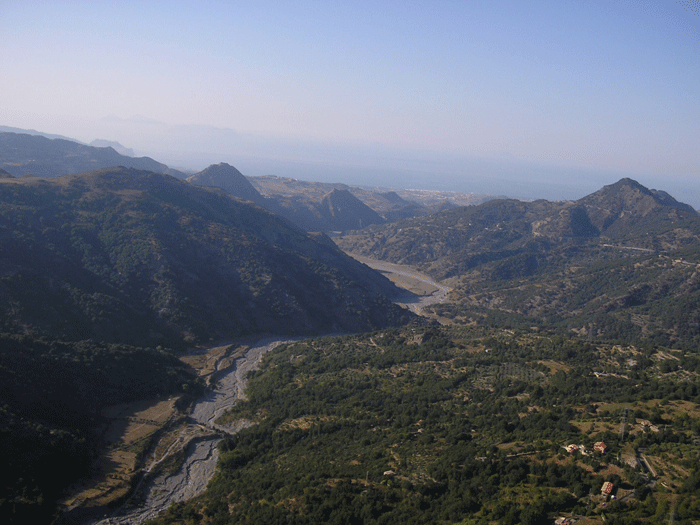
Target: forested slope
[124, 255]
[619, 263]
[51, 397]
[103, 274]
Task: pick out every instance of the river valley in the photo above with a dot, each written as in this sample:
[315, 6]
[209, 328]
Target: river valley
[201, 454]
[227, 386]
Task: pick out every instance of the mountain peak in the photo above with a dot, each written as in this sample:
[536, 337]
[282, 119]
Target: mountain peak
[229, 179]
[627, 200]
[347, 212]
[101, 143]
[626, 181]
[394, 198]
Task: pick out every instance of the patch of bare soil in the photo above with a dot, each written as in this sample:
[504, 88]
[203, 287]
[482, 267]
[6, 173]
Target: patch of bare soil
[128, 434]
[183, 460]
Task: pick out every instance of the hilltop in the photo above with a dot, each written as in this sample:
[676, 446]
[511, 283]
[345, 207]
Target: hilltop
[620, 206]
[615, 263]
[101, 143]
[229, 179]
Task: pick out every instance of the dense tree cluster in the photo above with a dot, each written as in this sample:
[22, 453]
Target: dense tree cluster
[127, 256]
[430, 425]
[52, 394]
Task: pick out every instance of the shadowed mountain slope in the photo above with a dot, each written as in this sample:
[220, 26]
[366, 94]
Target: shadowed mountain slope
[344, 211]
[24, 154]
[126, 255]
[229, 179]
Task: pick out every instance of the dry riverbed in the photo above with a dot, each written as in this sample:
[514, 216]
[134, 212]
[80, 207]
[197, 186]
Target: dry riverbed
[185, 457]
[196, 440]
[422, 290]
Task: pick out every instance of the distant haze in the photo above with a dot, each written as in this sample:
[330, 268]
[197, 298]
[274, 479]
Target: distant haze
[527, 99]
[194, 148]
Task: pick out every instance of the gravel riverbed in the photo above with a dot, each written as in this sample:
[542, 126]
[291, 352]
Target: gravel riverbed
[199, 467]
[415, 303]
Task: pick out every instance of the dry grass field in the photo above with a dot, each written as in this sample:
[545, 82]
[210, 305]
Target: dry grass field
[131, 429]
[128, 432]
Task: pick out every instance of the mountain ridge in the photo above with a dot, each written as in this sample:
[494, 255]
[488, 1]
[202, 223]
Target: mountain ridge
[509, 223]
[24, 154]
[614, 264]
[132, 255]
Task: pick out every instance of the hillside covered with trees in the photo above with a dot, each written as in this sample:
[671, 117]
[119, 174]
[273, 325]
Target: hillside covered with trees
[620, 263]
[105, 276]
[571, 324]
[459, 425]
[122, 255]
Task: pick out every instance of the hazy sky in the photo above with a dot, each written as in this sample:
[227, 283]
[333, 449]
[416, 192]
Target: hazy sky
[456, 91]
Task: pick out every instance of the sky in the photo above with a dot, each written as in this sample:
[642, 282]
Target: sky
[533, 99]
